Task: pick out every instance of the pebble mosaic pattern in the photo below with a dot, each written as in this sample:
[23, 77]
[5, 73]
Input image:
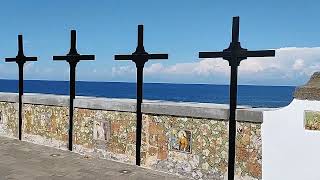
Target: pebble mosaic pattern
[50, 122]
[9, 119]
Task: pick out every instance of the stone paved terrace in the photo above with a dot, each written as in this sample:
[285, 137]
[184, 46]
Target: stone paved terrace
[26, 161]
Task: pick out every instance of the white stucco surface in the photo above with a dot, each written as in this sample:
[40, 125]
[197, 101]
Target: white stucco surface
[289, 152]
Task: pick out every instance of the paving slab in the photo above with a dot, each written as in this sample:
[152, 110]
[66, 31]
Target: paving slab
[27, 161]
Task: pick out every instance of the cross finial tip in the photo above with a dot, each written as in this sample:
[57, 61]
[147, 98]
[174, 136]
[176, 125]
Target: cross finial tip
[140, 27]
[20, 38]
[140, 47]
[73, 49]
[235, 29]
[73, 31]
[20, 45]
[236, 18]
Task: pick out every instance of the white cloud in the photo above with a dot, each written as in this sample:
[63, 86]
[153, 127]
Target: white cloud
[298, 64]
[157, 67]
[291, 65]
[122, 71]
[203, 68]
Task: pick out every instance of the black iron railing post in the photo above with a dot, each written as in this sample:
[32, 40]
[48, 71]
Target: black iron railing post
[73, 57]
[20, 59]
[140, 57]
[232, 116]
[139, 113]
[20, 66]
[234, 54]
[71, 101]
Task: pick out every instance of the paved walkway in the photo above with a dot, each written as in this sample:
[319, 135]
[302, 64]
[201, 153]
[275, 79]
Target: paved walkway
[26, 161]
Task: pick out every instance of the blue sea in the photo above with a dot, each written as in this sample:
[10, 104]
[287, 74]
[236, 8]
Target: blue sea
[255, 96]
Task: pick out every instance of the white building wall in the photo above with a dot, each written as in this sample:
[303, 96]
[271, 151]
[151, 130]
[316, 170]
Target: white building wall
[289, 152]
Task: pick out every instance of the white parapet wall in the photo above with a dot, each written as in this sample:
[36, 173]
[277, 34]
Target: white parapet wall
[291, 150]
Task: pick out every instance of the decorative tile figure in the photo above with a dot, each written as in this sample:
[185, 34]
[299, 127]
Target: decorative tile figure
[312, 120]
[181, 140]
[101, 131]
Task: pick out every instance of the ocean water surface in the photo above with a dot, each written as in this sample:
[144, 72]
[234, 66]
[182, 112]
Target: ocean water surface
[255, 96]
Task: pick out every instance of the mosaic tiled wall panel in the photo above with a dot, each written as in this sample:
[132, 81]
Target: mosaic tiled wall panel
[9, 119]
[208, 158]
[191, 147]
[46, 125]
[108, 134]
[312, 120]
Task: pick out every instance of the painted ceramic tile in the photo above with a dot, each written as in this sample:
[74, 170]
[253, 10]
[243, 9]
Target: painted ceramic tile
[312, 120]
[180, 140]
[101, 130]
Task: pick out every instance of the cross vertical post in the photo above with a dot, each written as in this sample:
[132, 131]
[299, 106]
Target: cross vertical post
[20, 59]
[234, 54]
[73, 57]
[139, 57]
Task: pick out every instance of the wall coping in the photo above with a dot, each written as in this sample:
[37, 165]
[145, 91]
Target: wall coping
[9, 97]
[184, 109]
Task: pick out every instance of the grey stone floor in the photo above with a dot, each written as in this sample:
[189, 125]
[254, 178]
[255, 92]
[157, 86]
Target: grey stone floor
[26, 161]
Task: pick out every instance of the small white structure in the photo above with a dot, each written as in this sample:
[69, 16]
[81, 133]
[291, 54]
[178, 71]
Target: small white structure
[290, 149]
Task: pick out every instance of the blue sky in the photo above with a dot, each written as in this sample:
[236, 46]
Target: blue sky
[179, 28]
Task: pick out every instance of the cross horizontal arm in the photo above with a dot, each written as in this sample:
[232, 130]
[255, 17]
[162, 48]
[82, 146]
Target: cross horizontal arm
[263, 53]
[75, 57]
[11, 59]
[211, 54]
[86, 57]
[142, 56]
[158, 56]
[21, 58]
[123, 57]
[59, 57]
[30, 58]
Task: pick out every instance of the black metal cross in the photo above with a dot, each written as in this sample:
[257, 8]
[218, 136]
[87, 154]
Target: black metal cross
[73, 57]
[234, 54]
[139, 57]
[20, 59]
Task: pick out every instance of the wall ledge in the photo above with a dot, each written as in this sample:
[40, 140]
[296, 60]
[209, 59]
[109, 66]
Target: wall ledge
[183, 109]
[46, 99]
[9, 97]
